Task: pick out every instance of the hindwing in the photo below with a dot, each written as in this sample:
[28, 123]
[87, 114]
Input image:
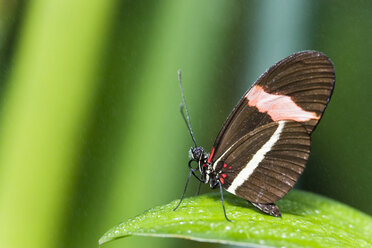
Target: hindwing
[264, 165]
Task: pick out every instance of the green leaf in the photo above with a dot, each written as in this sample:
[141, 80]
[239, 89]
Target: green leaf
[308, 220]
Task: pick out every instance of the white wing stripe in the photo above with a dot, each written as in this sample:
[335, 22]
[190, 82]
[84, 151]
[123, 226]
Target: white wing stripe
[247, 171]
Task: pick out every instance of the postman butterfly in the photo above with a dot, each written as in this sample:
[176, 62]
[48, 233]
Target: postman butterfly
[263, 146]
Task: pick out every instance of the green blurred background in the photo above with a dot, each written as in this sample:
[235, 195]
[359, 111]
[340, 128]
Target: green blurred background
[90, 130]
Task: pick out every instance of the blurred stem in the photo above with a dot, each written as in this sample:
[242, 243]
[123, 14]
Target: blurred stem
[45, 111]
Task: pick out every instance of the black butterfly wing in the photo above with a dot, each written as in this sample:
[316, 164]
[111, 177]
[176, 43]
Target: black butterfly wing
[297, 88]
[264, 165]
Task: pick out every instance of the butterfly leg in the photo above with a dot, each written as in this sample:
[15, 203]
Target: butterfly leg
[223, 204]
[198, 191]
[270, 209]
[184, 191]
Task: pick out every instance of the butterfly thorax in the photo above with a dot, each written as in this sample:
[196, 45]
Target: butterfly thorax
[208, 174]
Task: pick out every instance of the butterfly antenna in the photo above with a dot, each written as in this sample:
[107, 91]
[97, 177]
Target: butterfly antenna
[188, 122]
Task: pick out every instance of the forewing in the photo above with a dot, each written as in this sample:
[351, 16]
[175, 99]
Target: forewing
[297, 88]
[265, 164]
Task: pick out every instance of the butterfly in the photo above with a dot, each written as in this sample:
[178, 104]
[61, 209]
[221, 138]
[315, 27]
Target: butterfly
[264, 145]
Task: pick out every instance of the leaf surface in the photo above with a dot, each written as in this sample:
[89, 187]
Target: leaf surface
[308, 220]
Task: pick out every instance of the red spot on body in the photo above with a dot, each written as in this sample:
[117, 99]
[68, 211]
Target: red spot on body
[225, 165]
[229, 167]
[279, 107]
[223, 175]
[210, 156]
[203, 165]
[221, 180]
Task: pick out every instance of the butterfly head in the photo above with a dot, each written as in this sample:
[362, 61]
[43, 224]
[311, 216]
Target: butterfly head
[196, 153]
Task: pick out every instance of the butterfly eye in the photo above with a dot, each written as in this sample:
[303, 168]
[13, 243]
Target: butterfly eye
[197, 153]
